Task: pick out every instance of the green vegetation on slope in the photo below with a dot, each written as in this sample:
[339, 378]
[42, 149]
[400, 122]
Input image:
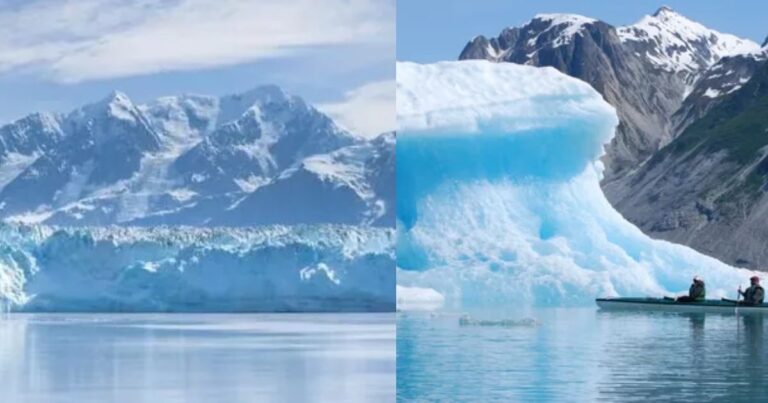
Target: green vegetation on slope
[738, 125]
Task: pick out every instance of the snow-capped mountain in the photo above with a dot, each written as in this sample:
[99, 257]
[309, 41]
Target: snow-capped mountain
[645, 70]
[265, 138]
[188, 159]
[674, 43]
[666, 39]
[522, 44]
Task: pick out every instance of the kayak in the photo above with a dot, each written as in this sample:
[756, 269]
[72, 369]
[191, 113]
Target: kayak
[670, 305]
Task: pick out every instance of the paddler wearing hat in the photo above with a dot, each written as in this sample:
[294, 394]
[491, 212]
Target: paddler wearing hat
[754, 294]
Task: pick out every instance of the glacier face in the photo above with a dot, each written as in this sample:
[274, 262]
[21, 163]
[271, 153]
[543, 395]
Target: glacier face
[499, 199]
[192, 160]
[172, 269]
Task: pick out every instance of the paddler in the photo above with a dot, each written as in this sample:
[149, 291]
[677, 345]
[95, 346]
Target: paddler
[697, 291]
[754, 294]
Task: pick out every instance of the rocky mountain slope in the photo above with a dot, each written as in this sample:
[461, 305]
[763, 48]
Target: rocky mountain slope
[645, 70]
[708, 187]
[193, 160]
[687, 162]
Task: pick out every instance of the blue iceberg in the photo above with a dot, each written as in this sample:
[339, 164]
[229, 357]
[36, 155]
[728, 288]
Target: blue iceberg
[498, 195]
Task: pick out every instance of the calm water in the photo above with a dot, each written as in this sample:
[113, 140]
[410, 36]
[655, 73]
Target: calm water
[583, 355]
[197, 358]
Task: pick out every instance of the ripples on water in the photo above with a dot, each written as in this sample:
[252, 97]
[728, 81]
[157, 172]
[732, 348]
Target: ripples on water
[583, 355]
[84, 358]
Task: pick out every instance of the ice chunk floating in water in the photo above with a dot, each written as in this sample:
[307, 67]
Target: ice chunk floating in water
[183, 269]
[498, 196]
[418, 299]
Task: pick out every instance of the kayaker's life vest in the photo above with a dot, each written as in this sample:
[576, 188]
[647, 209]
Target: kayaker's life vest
[697, 291]
[754, 294]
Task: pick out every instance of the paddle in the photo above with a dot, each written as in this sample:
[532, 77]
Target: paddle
[735, 301]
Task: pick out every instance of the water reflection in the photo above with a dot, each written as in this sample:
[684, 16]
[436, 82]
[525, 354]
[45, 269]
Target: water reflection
[585, 355]
[197, 358]
[751, 367]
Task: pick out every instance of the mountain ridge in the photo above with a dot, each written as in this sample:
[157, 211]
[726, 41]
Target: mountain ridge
[182, 159]
[612, 59]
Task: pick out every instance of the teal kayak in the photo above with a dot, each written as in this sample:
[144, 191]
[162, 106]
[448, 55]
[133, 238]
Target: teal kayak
[670, 305]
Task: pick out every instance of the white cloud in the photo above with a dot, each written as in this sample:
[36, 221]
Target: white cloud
[368, 110]
[77, 40]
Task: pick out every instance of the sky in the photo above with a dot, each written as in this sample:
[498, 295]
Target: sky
[56, 55]
[432, 30]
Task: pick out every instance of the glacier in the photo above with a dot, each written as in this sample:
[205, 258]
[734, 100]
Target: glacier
[498, 196]
[185, 269]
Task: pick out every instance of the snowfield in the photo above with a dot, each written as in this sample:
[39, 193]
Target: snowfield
[185, 269]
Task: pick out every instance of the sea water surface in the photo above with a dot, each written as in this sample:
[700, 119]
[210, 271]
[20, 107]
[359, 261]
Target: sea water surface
[197, 358]
[582, 355]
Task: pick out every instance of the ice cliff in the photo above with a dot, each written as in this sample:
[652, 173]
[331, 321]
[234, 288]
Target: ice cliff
[184, 269]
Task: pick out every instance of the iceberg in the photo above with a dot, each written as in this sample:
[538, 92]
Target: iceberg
[185, 269]
[418, 299]
[498, 195]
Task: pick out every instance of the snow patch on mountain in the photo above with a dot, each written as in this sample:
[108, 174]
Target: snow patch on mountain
[678, 44]
[568, 24]
[13, 164]
[711, 93]
[251, 183]
[359, 177]
[182, 120]
[346, 167]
